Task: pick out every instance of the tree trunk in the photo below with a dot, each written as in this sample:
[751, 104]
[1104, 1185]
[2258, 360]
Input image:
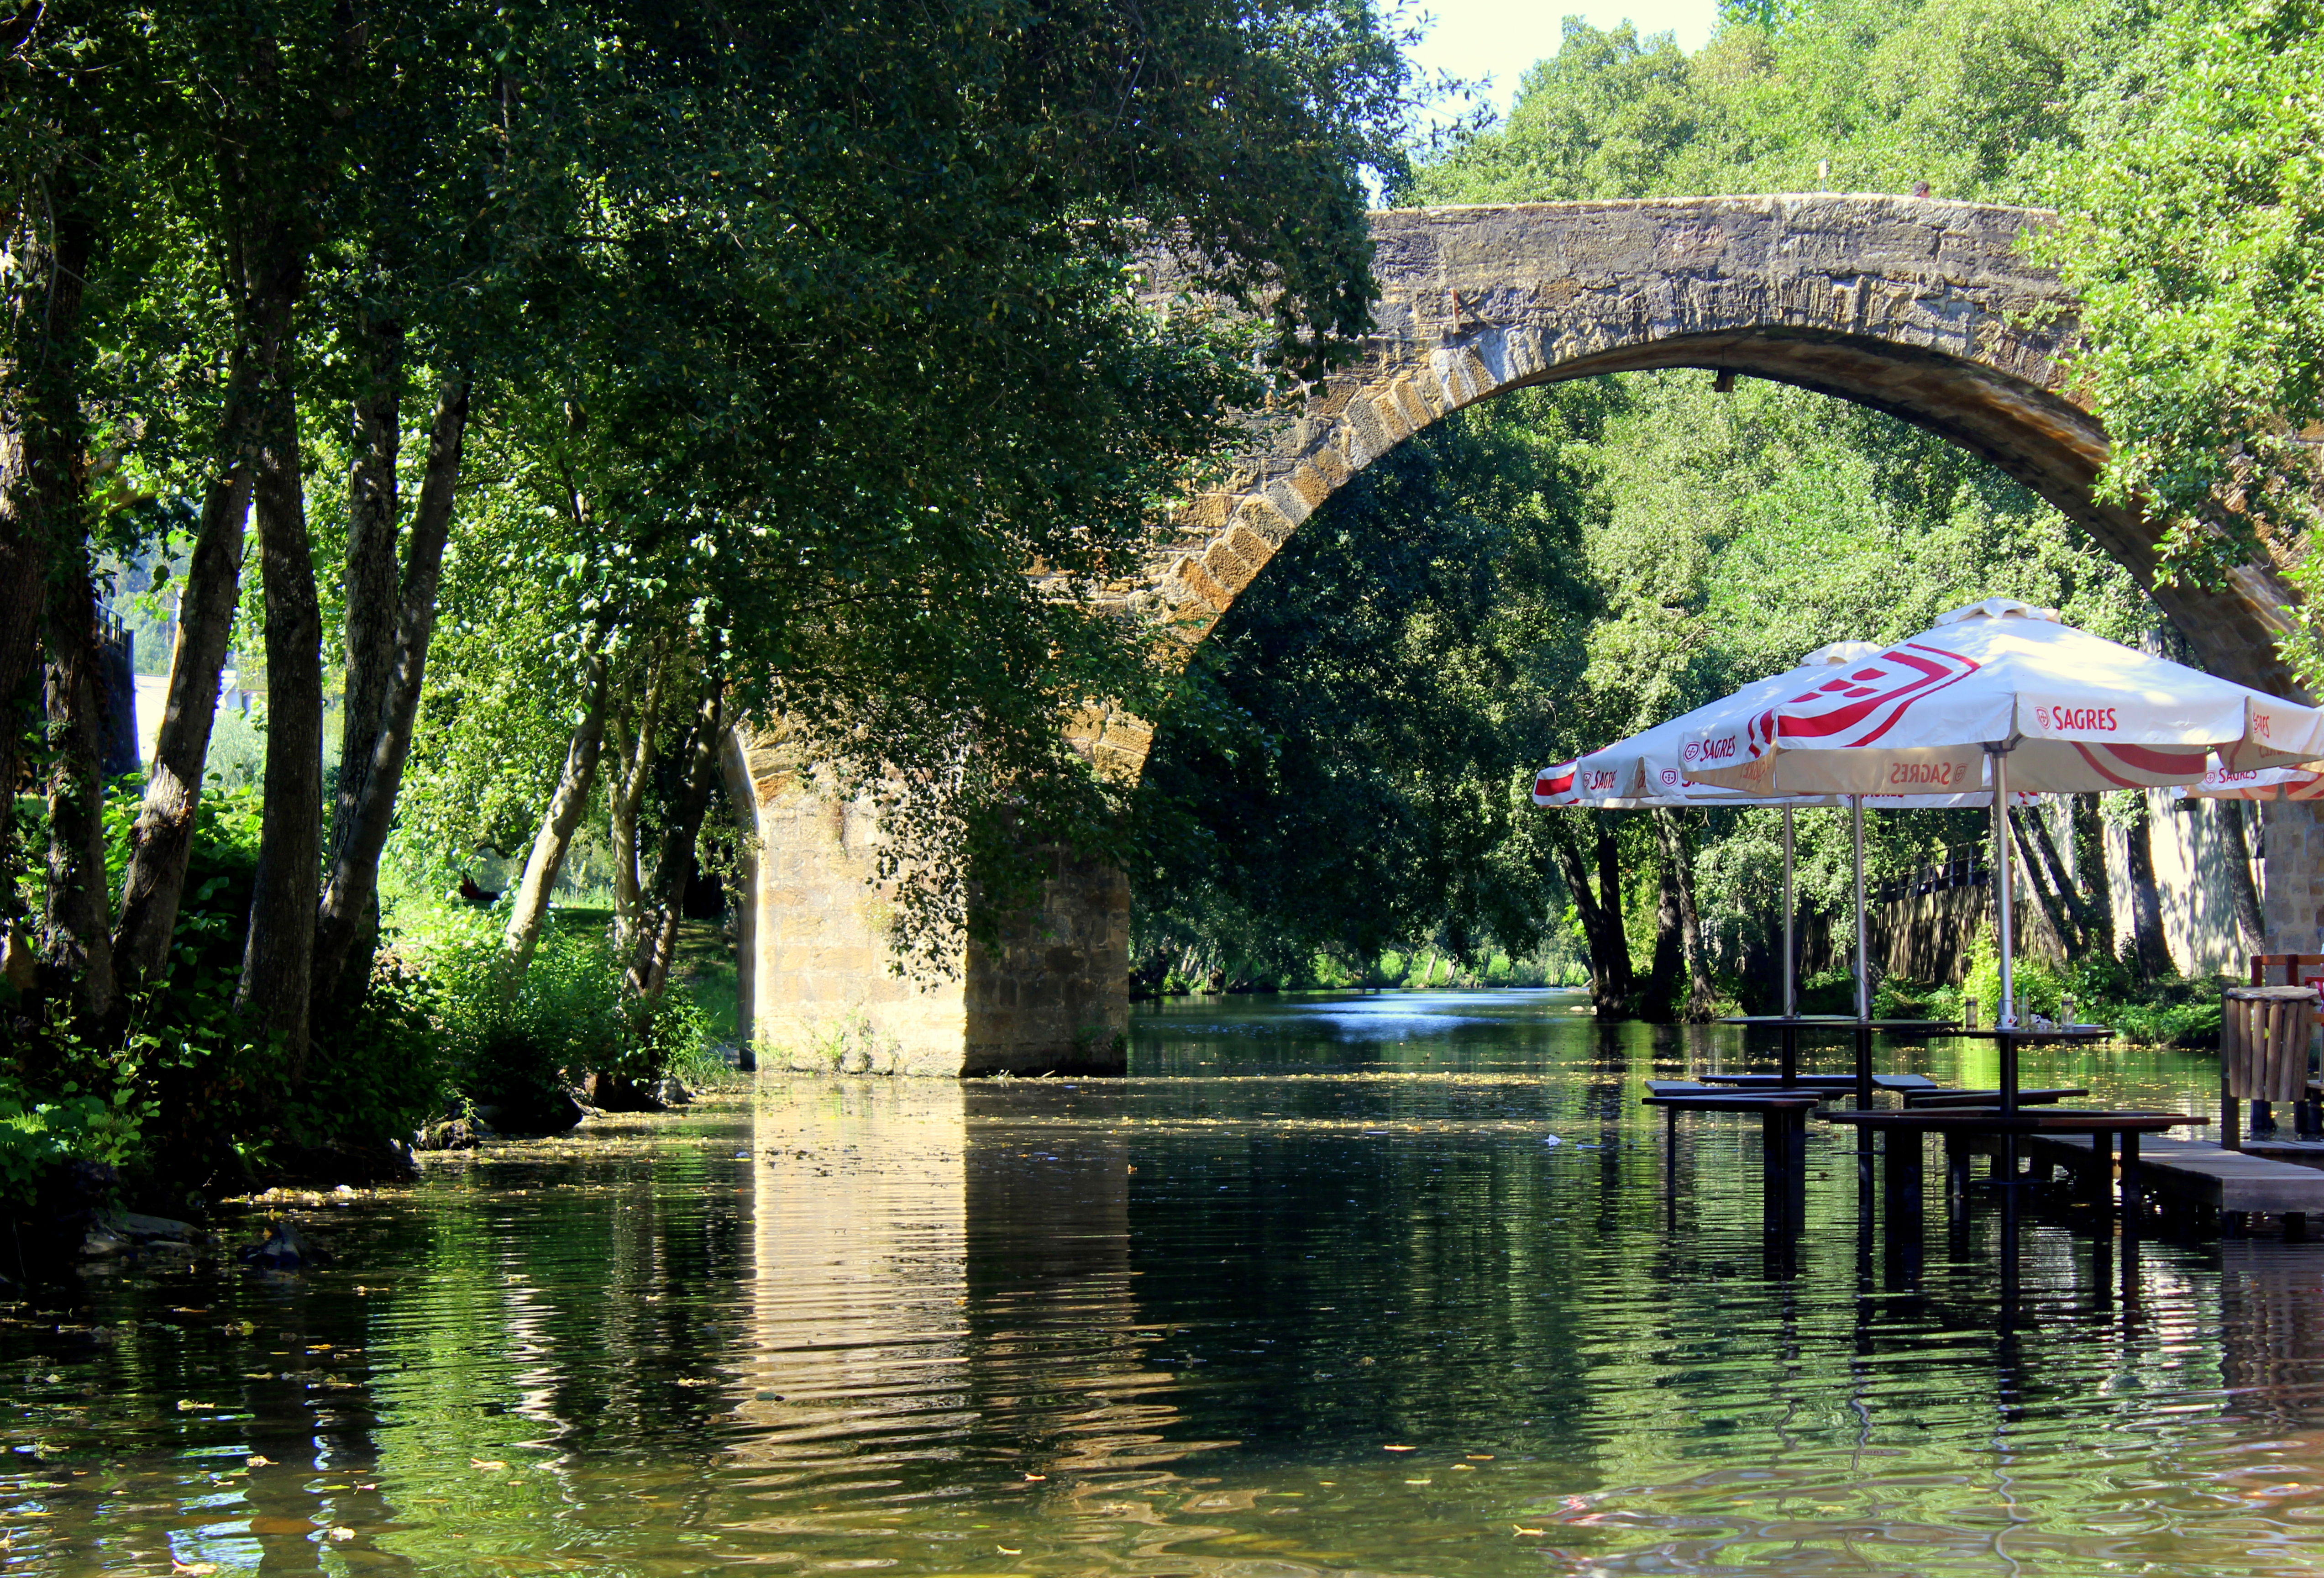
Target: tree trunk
[2151, 948]
[657, 945]
[1701, 1000]
[372, 760]
[49, 502]
[23, 565]
[636, 757]
[2074, 917]
[161, 842]
[1611, 982]
[564, 815]
[367, 576]
[2090, 869]
[267, 169]
[2249, 919]
[279, 956]
[2052, 892]
[1658, 1000]
[80, 939]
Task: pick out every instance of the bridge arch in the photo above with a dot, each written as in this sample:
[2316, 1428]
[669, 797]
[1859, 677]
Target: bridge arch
[1930, 310]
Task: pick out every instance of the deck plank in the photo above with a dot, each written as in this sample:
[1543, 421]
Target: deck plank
[2203, 1171]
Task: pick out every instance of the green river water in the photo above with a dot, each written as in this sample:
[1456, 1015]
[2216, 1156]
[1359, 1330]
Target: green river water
[1313, 1291]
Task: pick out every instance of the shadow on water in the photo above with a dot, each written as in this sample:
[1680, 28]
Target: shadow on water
[1388, 1284]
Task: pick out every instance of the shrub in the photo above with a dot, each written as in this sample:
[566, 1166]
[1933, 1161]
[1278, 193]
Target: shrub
[187, 1095]
[566, 1018]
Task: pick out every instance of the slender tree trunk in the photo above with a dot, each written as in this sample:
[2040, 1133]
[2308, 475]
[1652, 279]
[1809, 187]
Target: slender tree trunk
[2090, 867]
[52, 507]
[1658, 1000]
[1700, 999]
[1611, 982]
[2071, 913]
[79, 937]
[161, 842]
[557, 826]
[2249, 919]
[372, 763]
[2049, 890]
[278, 959]
[368, 580]
[2152, 948]
[267, 169]
[636, 757]
[24, 569]
[656, 945]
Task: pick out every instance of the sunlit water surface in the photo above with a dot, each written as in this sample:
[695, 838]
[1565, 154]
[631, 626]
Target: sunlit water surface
[1314, 1291]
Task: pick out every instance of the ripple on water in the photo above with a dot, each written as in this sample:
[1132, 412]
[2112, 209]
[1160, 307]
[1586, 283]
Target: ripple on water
[1174, 1324]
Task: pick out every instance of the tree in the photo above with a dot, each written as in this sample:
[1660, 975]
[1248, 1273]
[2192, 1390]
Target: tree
[845, 293]
[2194, 235]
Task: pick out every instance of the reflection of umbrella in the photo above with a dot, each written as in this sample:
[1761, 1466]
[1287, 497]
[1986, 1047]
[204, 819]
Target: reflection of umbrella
[2049, 709]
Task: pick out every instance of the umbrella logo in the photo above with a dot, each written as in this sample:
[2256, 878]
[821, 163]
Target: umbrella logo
[1670, 775]
[2041, 717]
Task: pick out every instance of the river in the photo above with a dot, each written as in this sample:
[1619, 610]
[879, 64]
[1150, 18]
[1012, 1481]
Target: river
[1330, 1284]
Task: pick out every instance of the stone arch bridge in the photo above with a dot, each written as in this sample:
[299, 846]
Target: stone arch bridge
[1927, 310]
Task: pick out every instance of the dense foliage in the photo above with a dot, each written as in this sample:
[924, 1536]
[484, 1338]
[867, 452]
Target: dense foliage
[776, 361]
[1714, 538]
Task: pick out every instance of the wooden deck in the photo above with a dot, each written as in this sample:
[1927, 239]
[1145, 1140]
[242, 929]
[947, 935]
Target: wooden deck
[2202, 1173]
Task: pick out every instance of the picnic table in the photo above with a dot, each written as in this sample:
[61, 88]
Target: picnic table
[1905, 1128]
[1782, 1151]
[2010, 1039]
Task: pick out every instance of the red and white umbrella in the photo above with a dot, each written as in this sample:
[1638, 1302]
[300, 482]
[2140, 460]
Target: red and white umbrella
[2002, 693]
[1650, 769]
[2264, 783]
[2072, 712]
[1650, 766]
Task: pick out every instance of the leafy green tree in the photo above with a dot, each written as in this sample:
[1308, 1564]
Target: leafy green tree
[2195, 237]
[841, 300]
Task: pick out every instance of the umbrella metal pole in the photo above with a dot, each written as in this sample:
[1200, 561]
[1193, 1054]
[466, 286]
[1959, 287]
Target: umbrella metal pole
[2005, 1019]
[1791, 1032]
[1863, 969]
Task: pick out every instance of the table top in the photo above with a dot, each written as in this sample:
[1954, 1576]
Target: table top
[1907, 1083]
[2026, 1120]
[1829, 1021]
[1740, 1101]
[2054, 1033]
[1984, 1098]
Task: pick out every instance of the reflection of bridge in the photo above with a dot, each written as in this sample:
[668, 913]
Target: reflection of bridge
[1926, 310]
[916, 1306]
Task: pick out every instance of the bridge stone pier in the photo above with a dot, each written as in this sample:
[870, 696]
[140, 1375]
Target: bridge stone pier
[1930, 310]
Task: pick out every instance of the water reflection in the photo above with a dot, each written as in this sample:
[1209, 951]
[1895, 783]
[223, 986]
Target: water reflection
[1313, 1292]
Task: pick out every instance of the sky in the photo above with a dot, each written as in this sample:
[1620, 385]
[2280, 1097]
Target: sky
[1500, 39]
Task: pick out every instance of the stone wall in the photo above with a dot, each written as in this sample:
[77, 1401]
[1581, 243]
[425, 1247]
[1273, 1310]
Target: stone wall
[816, 991]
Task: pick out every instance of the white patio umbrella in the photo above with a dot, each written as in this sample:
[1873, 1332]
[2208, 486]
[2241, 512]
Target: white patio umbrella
[2001, 695]
[1652, 769]
[2264, 783]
